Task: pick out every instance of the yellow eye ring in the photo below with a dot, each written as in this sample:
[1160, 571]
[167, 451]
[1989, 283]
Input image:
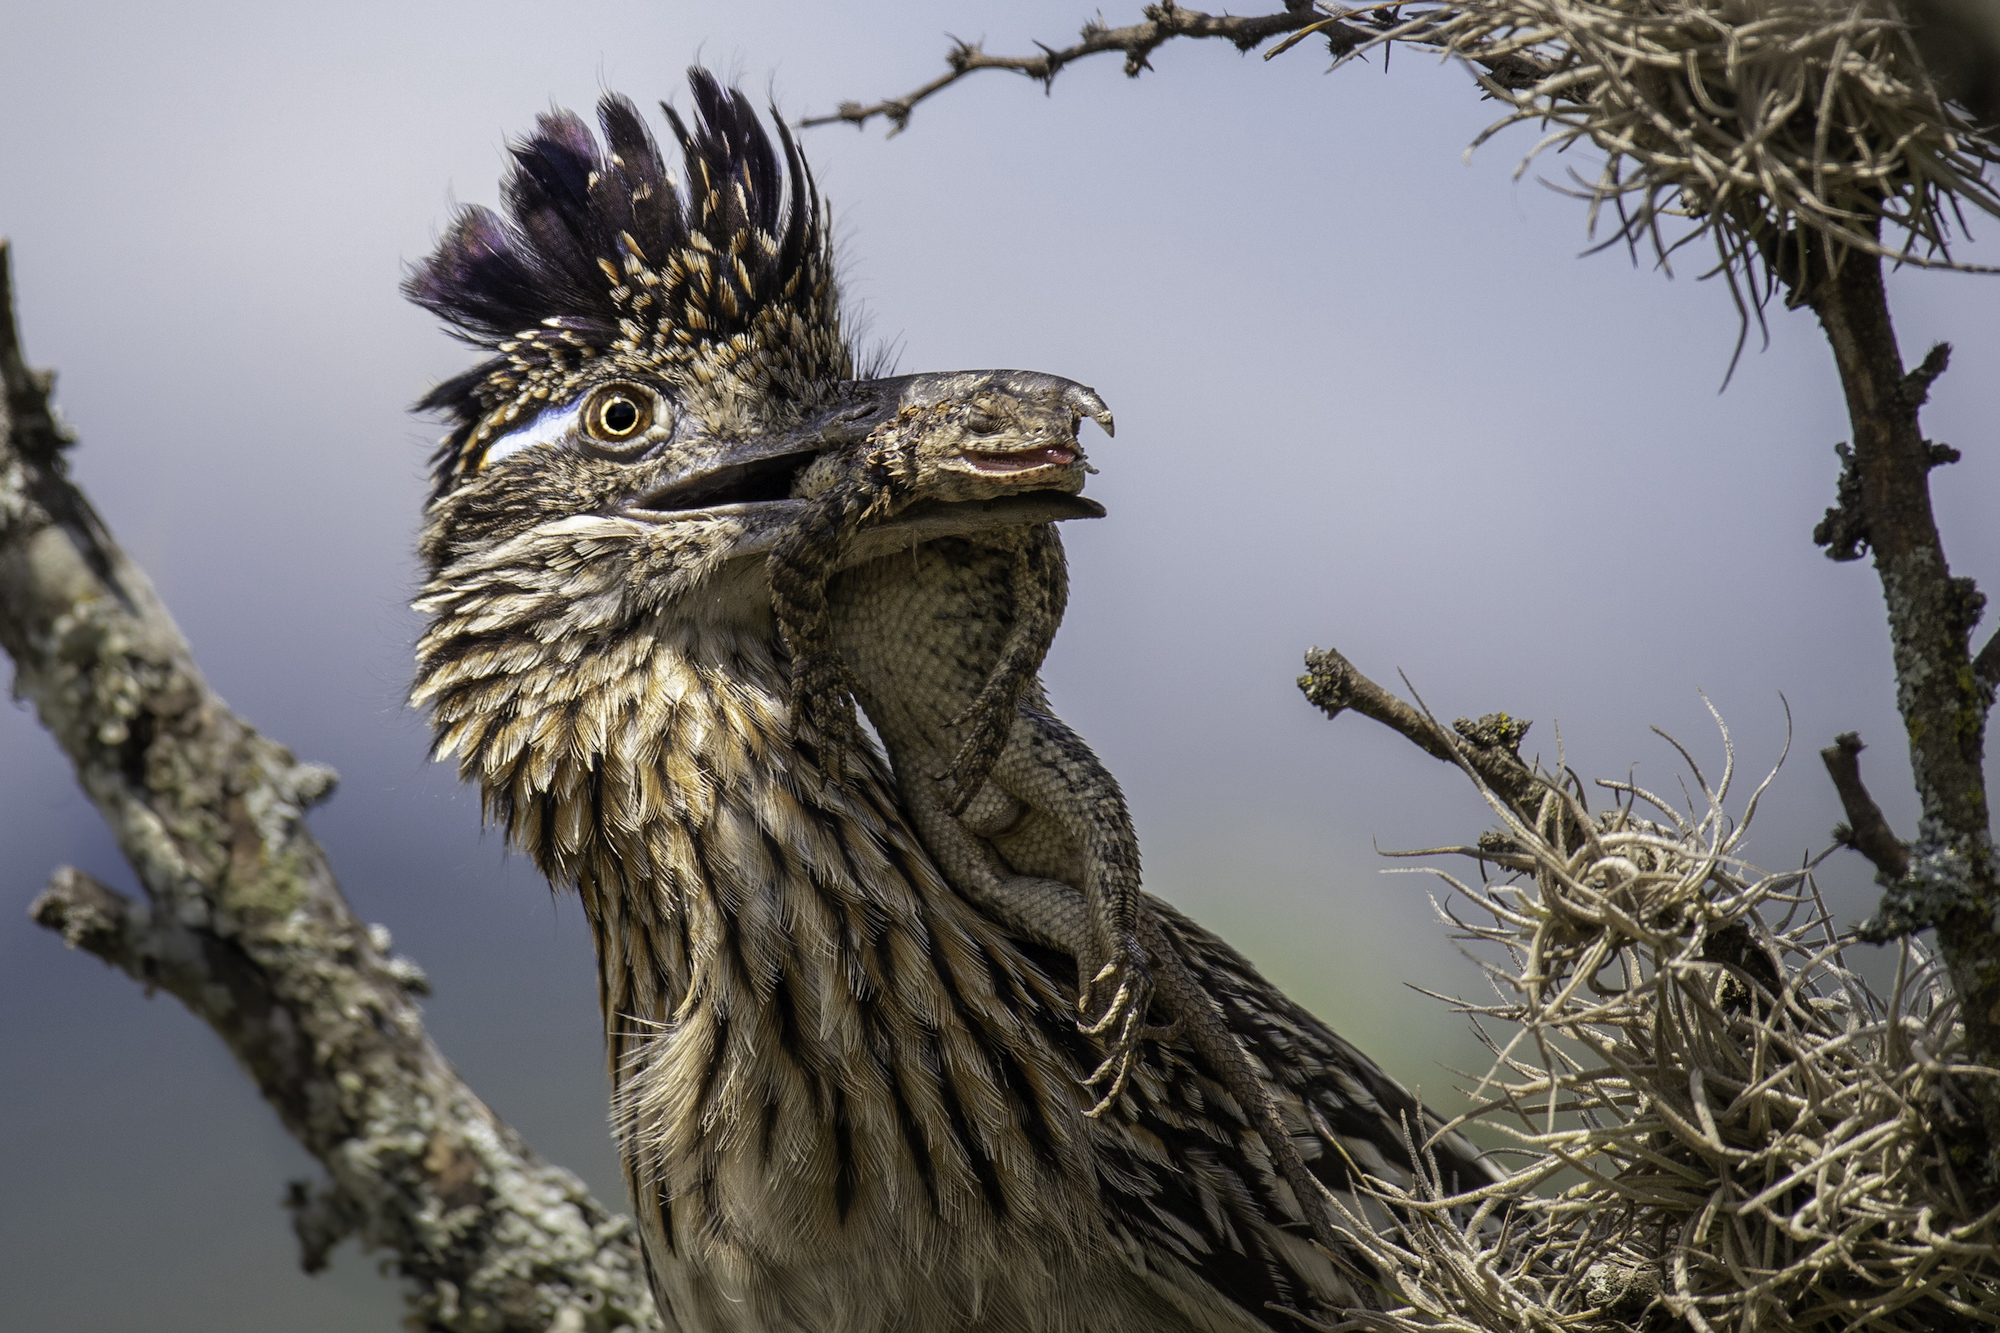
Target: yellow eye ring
[616, 414]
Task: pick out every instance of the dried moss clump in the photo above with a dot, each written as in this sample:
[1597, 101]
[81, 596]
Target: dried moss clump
[1763, 122]
[1720, 1125]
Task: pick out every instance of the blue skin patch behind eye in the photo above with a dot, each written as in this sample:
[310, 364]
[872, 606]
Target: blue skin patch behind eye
[552, 425]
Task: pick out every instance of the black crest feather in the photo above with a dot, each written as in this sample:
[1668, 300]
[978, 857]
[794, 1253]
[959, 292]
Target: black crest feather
[601, 249]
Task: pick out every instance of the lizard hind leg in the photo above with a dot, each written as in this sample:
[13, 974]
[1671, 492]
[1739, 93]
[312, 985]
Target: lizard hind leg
[1122, 1025]
[1050, 769]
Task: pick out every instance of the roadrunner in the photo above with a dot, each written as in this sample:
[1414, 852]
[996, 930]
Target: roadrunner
[846, 1098]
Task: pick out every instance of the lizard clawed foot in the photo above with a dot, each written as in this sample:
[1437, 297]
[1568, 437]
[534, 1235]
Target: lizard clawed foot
[824, 712]
[1123, 1024]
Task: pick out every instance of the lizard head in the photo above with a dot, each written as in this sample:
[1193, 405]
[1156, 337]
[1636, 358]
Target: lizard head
[975, 435]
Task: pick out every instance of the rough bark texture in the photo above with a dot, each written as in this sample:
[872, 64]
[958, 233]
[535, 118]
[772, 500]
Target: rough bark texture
[1885, 507]
[244, 923]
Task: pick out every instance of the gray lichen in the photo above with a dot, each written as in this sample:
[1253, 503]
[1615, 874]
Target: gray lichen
[244, 922]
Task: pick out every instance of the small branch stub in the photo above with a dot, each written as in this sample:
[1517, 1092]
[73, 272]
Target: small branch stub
[1489, 747]
[241, 920]
[1866, 830]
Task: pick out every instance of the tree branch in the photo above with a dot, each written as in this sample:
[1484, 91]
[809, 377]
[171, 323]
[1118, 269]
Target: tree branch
[1137, 41]
[244, 922]
[1866, 830]
[1885, 506]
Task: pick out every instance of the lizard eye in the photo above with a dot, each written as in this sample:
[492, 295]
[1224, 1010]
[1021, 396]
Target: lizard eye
[618, 414]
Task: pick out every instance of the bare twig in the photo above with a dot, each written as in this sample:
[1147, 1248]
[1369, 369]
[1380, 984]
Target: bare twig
[243, 921]
[1137, 42]
[1866, 831]
[1490, 745]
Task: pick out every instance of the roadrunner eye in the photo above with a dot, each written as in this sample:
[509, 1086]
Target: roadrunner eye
[616, 415]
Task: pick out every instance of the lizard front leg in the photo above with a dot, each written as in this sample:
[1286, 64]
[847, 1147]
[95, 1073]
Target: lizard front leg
[823, 691]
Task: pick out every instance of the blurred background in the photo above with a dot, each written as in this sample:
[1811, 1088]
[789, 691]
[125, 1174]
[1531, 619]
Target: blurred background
[1368, 395]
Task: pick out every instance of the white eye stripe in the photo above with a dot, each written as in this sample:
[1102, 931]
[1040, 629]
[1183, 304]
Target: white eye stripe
[552, 425]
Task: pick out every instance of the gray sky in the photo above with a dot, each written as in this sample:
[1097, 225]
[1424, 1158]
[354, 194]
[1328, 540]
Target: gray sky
[1368, 396]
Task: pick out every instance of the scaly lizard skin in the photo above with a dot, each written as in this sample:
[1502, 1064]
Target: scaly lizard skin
[948, 640]
[973, 445]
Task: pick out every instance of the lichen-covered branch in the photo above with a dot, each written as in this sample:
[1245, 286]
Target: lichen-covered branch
[1884, 507]
[1163, 23]
[244, 922]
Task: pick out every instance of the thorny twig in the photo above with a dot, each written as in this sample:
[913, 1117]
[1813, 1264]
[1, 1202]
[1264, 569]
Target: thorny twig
[1163, 22]
[1344, 30]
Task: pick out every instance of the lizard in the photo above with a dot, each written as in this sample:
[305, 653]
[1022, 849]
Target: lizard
[1019, 813]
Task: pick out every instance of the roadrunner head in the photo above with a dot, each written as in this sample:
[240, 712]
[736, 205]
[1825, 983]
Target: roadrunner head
[666, 358]
[719, 296]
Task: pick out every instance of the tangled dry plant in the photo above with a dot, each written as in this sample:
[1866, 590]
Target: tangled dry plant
[1721, 1125]
[1760, 123]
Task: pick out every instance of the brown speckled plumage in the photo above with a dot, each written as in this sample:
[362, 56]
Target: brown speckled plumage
[847, 1098]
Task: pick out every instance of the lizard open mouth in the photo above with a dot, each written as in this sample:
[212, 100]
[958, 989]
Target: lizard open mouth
[1021, 460]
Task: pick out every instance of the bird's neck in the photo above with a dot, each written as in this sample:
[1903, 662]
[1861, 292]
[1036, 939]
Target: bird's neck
[806, 1025]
